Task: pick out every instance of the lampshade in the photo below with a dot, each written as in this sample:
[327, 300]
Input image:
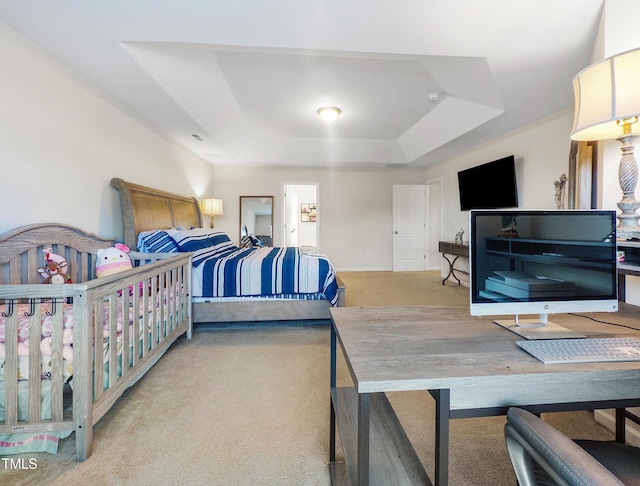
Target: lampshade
[606, 92]
[329, 113]
[211, 206]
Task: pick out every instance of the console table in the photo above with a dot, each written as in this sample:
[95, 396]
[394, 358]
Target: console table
[456, 250]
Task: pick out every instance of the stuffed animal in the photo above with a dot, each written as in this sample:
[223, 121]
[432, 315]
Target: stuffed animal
[55, 269]
[113, 260]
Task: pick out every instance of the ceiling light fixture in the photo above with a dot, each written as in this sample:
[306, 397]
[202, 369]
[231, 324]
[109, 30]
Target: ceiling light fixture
[329, 113]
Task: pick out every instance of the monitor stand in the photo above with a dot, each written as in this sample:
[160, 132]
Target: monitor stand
[539, 328]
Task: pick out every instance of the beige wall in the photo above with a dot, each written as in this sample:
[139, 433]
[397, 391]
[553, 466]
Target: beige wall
[62, 140]
[542, 156]
[355, 208]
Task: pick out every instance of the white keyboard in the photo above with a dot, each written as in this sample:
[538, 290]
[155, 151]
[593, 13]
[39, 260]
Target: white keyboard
[592, 350]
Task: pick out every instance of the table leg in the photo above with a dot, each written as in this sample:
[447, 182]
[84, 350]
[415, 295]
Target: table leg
[364, 409]
[620, 425]
[332, 385]
[443, 402]
[451, 272]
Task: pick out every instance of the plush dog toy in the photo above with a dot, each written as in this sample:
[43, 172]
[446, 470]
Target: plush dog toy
[55, 268]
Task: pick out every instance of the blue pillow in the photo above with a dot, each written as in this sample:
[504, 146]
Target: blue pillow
[156, 241]
[250, 241]
[196, 239]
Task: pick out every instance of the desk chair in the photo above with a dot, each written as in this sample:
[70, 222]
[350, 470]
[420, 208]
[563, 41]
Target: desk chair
[542, 455]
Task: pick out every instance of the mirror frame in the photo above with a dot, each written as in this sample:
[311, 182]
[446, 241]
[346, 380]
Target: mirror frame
[242, 198]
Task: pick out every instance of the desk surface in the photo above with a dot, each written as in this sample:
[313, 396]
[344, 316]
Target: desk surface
[429, 348]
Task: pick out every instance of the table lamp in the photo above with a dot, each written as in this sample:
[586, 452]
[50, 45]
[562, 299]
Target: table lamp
[607, 107]
[211, 207]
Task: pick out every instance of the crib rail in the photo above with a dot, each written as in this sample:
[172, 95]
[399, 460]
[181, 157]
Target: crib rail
[123, 323]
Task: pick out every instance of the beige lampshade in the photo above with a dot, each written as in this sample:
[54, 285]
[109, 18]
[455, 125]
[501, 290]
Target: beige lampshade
[606, 92]
[211, 206]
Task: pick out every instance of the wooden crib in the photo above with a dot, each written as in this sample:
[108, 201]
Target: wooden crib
[155, 295]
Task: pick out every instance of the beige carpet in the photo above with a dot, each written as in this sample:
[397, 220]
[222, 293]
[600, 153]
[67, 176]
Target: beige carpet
[250, 406]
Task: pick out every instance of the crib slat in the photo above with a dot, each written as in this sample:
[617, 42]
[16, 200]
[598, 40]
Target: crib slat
[126, 311]
[57, 378]
[98, 338]
[146, 311]
[113, 339]
[138, 312]
[14, 270]
[155, 283]
[35, 329]
[11, 368]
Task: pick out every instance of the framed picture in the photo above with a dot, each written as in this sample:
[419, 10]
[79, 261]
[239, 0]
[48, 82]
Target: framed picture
[308, 212]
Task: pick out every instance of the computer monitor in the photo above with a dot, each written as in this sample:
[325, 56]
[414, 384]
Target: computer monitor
[542, 262]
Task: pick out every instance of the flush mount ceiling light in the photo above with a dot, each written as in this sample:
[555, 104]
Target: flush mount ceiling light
[329, 113]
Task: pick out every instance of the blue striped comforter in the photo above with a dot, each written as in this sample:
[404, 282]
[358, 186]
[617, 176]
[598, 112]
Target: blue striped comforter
[236, 272]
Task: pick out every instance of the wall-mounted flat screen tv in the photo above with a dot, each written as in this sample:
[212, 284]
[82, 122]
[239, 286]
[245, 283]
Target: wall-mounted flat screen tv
[489, 186]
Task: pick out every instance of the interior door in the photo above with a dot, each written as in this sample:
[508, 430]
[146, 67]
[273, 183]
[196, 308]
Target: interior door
[291, 219]
[409, 227]
[302, 214]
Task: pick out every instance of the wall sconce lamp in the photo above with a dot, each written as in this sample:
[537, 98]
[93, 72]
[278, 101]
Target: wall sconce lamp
[329, 113]
[607, 107]
[211, 207]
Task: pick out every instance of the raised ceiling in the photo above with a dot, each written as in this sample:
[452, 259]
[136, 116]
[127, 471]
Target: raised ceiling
[247, 77]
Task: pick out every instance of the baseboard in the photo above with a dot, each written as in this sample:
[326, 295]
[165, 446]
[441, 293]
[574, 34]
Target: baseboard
[364, 269]
[607, 418]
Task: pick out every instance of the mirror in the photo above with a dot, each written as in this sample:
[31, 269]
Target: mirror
[256, 218]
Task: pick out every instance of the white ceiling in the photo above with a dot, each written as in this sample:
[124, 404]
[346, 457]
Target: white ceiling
[247, 76]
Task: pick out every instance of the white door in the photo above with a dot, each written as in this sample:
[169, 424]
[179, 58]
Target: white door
[291, 220]
[302, 214]
[409, 227]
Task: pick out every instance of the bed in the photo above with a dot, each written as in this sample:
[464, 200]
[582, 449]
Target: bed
[146, 210]
[69, 351]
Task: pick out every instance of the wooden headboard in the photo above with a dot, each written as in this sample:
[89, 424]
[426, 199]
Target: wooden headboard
[145, 208]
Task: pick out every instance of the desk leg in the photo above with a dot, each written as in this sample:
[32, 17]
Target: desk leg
[451, 272]
[364, 409]
[443, 405]
[620, 425]
[332, 385]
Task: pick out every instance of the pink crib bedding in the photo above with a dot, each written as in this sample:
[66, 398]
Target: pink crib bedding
[45, 338]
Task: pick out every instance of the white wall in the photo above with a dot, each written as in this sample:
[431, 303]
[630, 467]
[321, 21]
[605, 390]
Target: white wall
[355, 208]
[542, 156]
[62, 140]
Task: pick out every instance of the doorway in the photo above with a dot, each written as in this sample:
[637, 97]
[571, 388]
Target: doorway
[301, 214]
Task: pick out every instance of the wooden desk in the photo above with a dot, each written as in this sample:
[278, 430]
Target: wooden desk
[456, 250]
[470, 366]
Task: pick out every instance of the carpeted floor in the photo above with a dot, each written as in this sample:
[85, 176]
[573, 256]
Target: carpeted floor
[250, 406]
